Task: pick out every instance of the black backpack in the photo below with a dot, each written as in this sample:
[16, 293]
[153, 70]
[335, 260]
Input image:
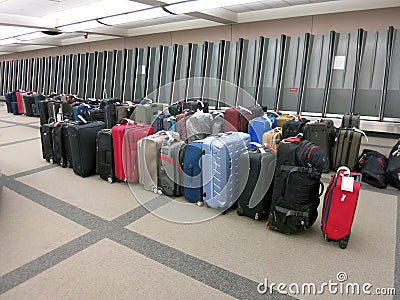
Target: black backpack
[372, 165]
[393, 169]
[296, 190]
[292, 128]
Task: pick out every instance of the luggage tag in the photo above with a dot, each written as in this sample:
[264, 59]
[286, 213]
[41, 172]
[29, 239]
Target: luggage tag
[347, 184]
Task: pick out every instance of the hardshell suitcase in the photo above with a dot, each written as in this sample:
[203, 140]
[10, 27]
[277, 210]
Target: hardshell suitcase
[148, 158]
[132, 134]
[351, 120]
[104, 155]
[83, 147]
[170, 174]
[321, 133]
[192, 175]
[46, 134]
[346, 148]
[143, 112]
[22, 95]
[217, 125]
[237, 119]
[340, 204]
[256, 174]
[393, 169]
[198, 126]
[272, 137]
[221, 173]
[180, 124]
[257, 127]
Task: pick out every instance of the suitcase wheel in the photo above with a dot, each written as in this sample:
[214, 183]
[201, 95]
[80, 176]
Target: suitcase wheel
[51, 161]
[155, 190]
[342, 244]
[200, 203]
[326, 238]
[110, 179]
[159, 191]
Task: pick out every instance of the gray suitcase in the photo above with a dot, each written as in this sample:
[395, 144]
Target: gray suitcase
[144, 112]
[198, 126]
[346, 149]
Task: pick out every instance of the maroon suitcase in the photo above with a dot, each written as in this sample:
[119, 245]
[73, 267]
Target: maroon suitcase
[340, 205]
[180, 124]
[132, 134]
[237, 118]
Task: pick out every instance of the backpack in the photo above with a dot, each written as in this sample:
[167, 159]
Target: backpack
[372, 165]
[296, 190]
[393, 168]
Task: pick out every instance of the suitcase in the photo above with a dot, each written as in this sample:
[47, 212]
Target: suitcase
[340, 204]
[393, 169]
[282, 119]
[196, 105]
[53, 108]
[123, 111]
[8, 102]
[321, 133]
[143, 112]
[180, 124]
[296, 190]
[104, 155]
[237, 118]
[351, 120]
[44, 113]
[198, 126]
[29, 103]
[272, 137]
[292, 128]
[106, 102]
[169, 123]
[346, 148]
[148, 158]
[157, 121]
[67, 144]
[46, 135]
[37, 98]
[132, 134]
[257, 127]
[372, 165]
[176, 108]
[192, 175]
[110, 115]
[83, 147]
[59, 146]
[94, 115]
[170, 174]
[22, 95]
[274, 121]
[14, 108]
[221, 173]
[19, 102]
[256, 174]
[217, 125]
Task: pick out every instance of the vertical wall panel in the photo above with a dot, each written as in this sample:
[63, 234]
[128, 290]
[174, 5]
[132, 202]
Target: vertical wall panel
[53, 74]
[119, 74]
[130, 71]
[213, 68]
[46, 75]
[181, 73]
[67, 73]
[196, 71]
[82, 72]
[90, 75]
[99, 80]
[166, 74]
[109, 74]
[60, 74]
[2, 78]
[153, 78]
[35, 75]
[40, 75]
[74, 74]
[229, 74]
[141, 73]
[392, 105]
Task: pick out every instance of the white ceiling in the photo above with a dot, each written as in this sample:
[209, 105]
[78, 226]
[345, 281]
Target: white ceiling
[27, 16]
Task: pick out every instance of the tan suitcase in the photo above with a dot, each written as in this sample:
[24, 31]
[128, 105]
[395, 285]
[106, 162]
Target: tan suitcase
[272, 137]
[282, 119]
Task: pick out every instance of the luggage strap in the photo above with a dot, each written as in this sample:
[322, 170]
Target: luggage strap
[291, 212]
[292, 169]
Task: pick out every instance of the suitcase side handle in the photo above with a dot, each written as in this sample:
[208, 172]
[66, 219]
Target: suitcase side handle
[345, 169]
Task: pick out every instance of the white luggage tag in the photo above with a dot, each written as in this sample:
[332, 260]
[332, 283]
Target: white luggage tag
[347, 184]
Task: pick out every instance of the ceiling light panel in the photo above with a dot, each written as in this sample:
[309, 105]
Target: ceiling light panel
[32, 36]
[80, 26]
[10, 31]
[135, 16]
[199, 5]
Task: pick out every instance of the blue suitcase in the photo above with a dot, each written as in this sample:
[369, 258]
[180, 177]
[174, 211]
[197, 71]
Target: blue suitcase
[220, 168]
[14, 108]
[157, 121]
[257, 127]
[274, 121]
[192, 179]
[37, 98]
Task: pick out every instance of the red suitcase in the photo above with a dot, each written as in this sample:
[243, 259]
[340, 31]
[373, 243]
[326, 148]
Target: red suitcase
[237, 118]
[340, 204]
[132, 134]
[180, 124]
[19, 101]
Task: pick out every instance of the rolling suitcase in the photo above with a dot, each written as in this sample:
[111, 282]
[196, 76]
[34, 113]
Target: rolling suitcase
[157, 121]
[67, 145]
[192, 175]
[14, 108]
[132, 134]
[104, 155]
[170, 174]
[148, 158]
[123, 111]
[143, 112]
[46, 134]
[94, 115]
[53, 108]
[19, 103]
[217, 125]
[282, 119]
[109, 101]
[110, 115]
[44, 113]
[176, 108]
[180, 124]
[256, 173]
[346, 147]
[321, 133]
[198, 126]
[340, 204]
[196, 105]
[37, 98]
[296, 190]
[220, 168]
[237, 118]
[351, 120]
[8, 102]
[393, 169]
[83, 147]
[272, 137]
[60, 151]
[29, 103]
[257, 127]
[292, 128]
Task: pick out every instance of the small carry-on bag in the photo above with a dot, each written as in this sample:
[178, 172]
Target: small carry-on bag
[192, 175]
[220, 168]
[133, 133]
[157, 121]
[60, 151]
[321, 133]
[144, 112]
[393, 169]
[372, 165]
[292, 128]
[8, 102]
[170, 168]
[351, 120]
[83, 147]
[20, 103]
[296, 190]
[346, 147]
[340, 204]
[104, 155]
[198, 126]
[272, 137]
[237, 118]
[180, 124]
[29, 103]
[256, 174]
[148, 158]
[46, 134]
[257, 127]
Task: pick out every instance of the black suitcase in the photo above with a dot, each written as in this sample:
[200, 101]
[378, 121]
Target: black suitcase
[196, 105]
[82, 139]
[106, 102]
[8, 102]
[110, 115]
[292, 128]
[351, 120]
[36, 109]
[46, 134]
[105, 155]
[256, 173]
[29, 102]
[61, 145]
[321, 133]
[44, 113]
[53, 107]
[67, 145]
[94, 115]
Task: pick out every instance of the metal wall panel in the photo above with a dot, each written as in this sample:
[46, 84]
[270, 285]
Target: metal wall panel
[213, 69]
[18, 77]
[7, 70]
[90, 75]
[53, 74]
[229, 74]
[29, 74]
[166, 74]
[74, 74]
[249, 70]
[142, 58]
[270, 72]
[35, 76]
[196, 71]
[153, 78]
[181, 73]
[40, 74]
[130, 71]
[99, 75]
[67, 74]
[46, 75]
[119, 71]
[2, 78]
[82, 74]
[60, 74]
[14, 75]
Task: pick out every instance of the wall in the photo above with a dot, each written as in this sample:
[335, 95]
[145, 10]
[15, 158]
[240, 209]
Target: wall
[376, 19]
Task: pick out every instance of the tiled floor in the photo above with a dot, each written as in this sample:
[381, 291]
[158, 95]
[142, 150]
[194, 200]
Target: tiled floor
[67, 237]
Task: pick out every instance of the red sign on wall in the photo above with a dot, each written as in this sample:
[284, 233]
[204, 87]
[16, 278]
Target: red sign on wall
[293, 90]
